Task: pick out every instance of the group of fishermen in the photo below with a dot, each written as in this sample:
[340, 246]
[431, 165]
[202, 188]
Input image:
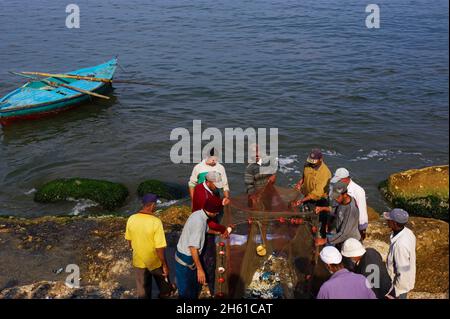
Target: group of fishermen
[356, 272]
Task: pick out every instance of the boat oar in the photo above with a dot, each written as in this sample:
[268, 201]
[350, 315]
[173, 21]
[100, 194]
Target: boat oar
[87, 78]
[70, 87]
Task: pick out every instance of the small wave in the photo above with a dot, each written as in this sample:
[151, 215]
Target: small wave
[356, 98]
[383, 155]
[81, 206]
[31, 191]
[166, 203]
[287, 163]
[331, 153]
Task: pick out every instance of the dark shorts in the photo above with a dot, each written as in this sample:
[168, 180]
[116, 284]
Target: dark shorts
[144, 279]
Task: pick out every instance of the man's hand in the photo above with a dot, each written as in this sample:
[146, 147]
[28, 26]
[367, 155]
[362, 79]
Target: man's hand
[166, 270]
[299, 185]
[225, 201]
[296, 203]
[318, 210]
[320, 241]
[252, 200]
[225, 234]
[272, 179]
[201, 277]
[362, 232]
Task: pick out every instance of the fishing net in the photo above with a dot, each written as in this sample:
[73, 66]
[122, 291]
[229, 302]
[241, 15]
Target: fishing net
[271, 252]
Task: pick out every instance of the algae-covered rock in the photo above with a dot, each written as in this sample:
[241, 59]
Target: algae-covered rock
[163, 190]
[108, 194]
[422, 192]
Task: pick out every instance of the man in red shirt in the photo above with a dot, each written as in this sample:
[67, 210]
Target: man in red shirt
[205, 192]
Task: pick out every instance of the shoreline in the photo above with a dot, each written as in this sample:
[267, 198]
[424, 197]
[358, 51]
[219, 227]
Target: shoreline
[44, 245]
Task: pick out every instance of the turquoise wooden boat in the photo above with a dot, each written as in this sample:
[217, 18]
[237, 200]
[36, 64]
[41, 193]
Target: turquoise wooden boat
[36, 98]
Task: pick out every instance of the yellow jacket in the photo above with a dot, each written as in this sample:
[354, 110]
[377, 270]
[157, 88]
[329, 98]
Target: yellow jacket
[316, 181]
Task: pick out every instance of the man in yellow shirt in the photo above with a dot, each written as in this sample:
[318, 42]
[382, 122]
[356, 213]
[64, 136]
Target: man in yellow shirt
[145, 235]
[314, 185]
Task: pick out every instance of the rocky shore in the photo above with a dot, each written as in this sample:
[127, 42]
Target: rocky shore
[35, 252]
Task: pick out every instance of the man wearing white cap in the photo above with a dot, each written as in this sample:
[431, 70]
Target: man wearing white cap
[401, 259]
[343, 284]
[369, 263]
[358, 193]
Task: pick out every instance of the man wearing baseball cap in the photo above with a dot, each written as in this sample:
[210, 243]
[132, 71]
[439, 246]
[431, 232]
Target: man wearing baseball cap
[343, 284]
[145, 235]
[369, 263]
[346, 216]
[401, 259]
[358, 193]
[314, 185]
[189, 269]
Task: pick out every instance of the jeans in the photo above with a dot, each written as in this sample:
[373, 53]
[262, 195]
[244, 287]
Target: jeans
[188, 287]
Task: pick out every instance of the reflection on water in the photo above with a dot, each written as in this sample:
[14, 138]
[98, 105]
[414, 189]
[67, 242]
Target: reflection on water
[375, 101]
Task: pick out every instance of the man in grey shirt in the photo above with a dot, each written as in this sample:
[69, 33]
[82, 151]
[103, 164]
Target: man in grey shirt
[346, 215]
[188, 268]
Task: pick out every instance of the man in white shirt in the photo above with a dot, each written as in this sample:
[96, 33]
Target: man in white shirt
[358, 193]
[210, 164]
[401, 259]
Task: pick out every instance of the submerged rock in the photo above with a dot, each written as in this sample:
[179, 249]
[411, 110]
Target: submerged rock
[163, 190]
[422, 192]
[108, 194]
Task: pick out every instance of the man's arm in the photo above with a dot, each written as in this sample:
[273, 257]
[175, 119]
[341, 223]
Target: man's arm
[249, 180]
[226, 187]
[193, 181]
[201, 277]
[362, 206]
[161, 255]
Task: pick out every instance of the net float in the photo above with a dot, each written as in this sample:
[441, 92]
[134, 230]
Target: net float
[221, 252]
[221, 244]
[261, 250]
[221, 270]
[221, 280]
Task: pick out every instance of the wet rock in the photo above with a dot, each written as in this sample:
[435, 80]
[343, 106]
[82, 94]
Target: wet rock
[163, 190]
[432, 251]
[174, 217]
[372, 214]
[422, 192]
[58, 290]
[108, 194]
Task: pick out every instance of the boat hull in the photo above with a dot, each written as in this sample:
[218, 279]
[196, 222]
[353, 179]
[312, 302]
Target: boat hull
[34, 100]
[50, 109]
